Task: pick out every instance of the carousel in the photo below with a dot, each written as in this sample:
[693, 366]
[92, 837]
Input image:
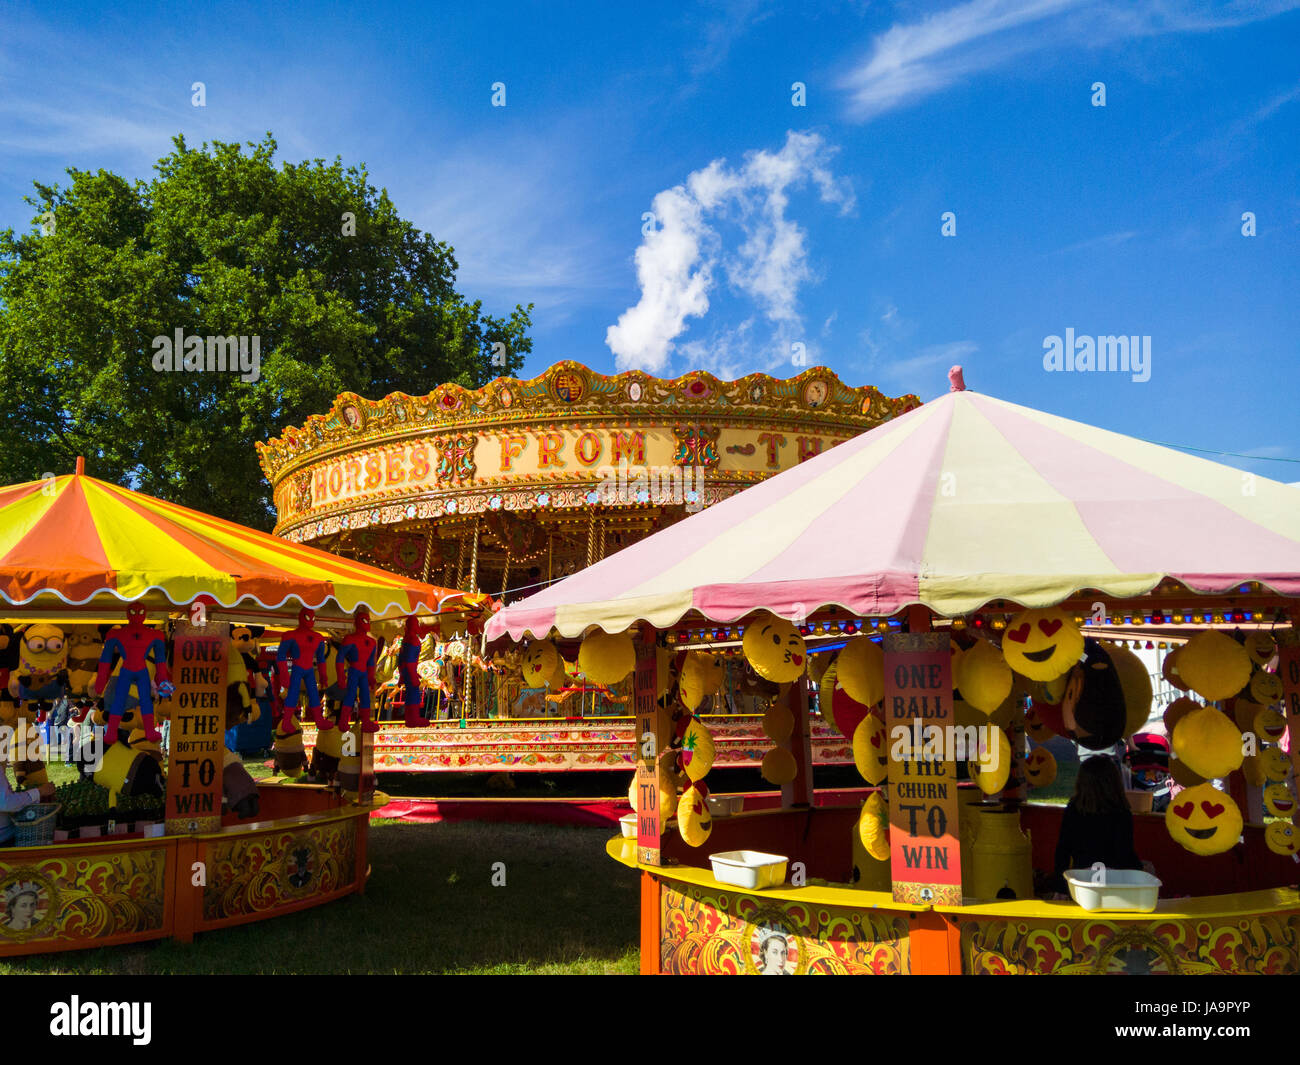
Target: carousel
[505, 489]
[139, 620]
[974, 556]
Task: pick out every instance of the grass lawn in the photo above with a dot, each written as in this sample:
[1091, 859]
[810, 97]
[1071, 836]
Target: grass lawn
[430, 907]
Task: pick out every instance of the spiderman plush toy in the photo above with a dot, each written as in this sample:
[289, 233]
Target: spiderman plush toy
[137, 645]
[357, 657]
[300, 658]
[407, 659]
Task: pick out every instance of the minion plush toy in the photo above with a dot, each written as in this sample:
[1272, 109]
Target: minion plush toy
[41, 677]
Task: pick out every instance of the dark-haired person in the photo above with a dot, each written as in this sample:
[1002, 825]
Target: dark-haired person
[1092, 707]
[13, 801]
[1097, 825]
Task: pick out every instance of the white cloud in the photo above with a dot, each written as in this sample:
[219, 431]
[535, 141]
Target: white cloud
[910, 61]
[678, 260]
[924, 365]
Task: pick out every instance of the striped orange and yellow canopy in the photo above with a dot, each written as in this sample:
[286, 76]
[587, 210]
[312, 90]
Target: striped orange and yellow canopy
[81, 543]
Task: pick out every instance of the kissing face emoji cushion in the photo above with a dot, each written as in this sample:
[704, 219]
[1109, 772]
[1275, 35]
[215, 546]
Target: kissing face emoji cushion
[538, 664]
[1204, 820]
[1042, 644]
[775, 649]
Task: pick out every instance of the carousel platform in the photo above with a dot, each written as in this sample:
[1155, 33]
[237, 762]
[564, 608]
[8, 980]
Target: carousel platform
[550, 745]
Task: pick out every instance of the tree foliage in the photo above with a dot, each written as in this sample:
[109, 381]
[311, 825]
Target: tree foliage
[220, 242]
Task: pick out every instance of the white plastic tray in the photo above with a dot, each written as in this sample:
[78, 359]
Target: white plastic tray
[1113, 889]
[749, 869]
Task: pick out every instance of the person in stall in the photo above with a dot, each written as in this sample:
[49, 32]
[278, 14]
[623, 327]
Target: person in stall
[1097, 825]
[12, 801]
[1098, 822]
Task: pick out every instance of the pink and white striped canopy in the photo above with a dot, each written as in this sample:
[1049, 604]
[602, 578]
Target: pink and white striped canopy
[961, 501]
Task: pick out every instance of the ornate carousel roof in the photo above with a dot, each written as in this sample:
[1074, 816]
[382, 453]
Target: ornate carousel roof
[548, 443]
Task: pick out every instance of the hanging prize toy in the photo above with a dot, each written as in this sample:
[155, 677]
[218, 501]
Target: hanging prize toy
[301, 656]
[137, 645]
[407, 660]
[357, 658]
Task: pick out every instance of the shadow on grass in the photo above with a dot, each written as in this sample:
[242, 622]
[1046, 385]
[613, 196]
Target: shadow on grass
[430, 907]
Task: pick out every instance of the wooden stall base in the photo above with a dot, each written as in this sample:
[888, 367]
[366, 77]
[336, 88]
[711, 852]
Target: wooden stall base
[692, 923]
[106, 892]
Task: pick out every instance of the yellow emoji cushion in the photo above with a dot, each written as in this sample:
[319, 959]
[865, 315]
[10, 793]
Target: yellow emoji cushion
[1204, 820]
[1268, 725]
[860, 671]
[1208, 743]
[697, 750]
[871, 750]
[605, 659]
[1279, 801]
[778, 723]
[1214, 665]
[992, 768]
[1042, 644]
[1040, 767]
[983, 678]
[1265, 688]
[775, 649]
[1261, 647]
[779, 766]
[1281, 837]
[1277, 766]
[537, 665]
[694, 821]
[873, 827]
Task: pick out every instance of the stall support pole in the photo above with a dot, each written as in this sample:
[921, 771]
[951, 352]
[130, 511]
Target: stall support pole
[799, 792]
[935, 944]
[650, 931]
[653, 731]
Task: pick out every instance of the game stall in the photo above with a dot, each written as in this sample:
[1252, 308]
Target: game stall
[505, 488]
[131, 614]
[974, 555]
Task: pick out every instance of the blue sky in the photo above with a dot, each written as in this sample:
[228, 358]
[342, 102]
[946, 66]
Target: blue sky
[774, 224]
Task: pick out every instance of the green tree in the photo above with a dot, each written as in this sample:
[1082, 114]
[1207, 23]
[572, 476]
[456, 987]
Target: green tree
[344, 294]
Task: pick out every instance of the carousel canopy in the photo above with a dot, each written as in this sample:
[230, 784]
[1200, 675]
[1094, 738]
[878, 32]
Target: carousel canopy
[962, 501]
[74, 541]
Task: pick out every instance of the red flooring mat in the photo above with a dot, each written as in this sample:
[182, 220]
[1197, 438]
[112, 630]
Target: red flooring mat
[594, 811]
